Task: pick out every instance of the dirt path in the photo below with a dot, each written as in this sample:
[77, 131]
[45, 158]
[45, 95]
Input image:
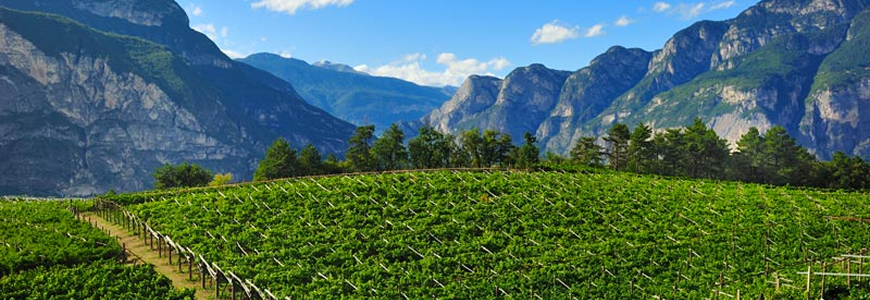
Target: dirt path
[138, 247]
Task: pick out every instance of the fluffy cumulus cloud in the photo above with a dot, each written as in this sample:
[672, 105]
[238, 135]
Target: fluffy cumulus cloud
[410, 68]
[688, 11]
[661, 7]
[291, 6]
[623, 21]
[218, 35]
[233, 54]
[197, 10]
[594, 31]
[555, 32]
[207, 29]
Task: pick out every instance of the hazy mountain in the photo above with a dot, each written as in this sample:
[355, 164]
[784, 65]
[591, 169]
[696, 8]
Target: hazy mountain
[800, 64]
[337, 67]
[100, 96]
[357, 97]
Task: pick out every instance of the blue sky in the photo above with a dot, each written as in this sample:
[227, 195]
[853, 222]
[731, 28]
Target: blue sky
[442, 42]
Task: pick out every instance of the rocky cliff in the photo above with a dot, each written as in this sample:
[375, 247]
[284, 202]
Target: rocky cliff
[83, 111]
[799, 64]
[515, 105]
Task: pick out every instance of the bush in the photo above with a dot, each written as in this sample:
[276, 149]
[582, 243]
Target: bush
[183, 175]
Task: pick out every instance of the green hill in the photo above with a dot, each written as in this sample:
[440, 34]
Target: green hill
[539, 235]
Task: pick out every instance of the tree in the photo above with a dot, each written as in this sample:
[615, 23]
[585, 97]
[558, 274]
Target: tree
[668, 149]
[333, 165]
[587, 152]
[360, 157]
[640, 149]
[280, 162]
[497, 148]
[432, 149]
[706, 153]
[783, 156]
[848, 173]
[310, 161]
[473, 147]
[749, 160]
[221, 179]
[528, 155]
[487, 150]
[390, 150]
[617, 146]
[183, 175]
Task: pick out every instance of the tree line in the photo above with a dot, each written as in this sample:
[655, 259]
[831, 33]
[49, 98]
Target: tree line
[694, 151]
[431, 149]
[698, 152]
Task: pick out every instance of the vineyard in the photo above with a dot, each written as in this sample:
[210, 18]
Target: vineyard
[538, 235]
[47, 252]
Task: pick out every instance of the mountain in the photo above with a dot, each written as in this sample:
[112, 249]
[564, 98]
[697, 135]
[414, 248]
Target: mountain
[799, 64]
[95, 94]
[357, 97]
[337, 67]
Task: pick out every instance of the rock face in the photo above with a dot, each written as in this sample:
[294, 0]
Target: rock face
[515, 105]
[799, 64]
[82, 111]
[353, 96]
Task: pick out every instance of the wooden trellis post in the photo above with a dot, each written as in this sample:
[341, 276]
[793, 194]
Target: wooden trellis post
[809, 278]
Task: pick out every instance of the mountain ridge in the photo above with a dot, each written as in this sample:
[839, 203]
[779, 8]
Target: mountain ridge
[103, 109]
[354, 96]
[760, 69]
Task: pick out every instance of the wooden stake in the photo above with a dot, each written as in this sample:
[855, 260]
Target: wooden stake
[849, 271]
[824, 270]
[809, 277]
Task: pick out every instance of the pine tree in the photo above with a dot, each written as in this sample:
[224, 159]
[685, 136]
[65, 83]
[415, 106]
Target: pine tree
[310, 161]
[617, 146]
[587, 152]
[390, 150]
[280, 162]
[359, 152]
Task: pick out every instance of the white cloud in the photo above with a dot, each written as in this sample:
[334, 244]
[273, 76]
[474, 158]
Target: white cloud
[264, 39]
[212, 32]
[623, 21]
[291, 6]
[285, 54]
[661, 7]
[554, 32]
[723, 5]
[207, 29]
[197, 10]
[594, 31]
[689, 11]
[410, 68]
[233, 54]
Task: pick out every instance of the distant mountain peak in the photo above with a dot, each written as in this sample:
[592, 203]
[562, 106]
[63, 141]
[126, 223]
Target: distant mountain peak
[800, 64]
[337, 67]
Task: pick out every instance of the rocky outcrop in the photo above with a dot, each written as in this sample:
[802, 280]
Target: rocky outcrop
[81, 112]
[515, 105]
[787, 63]
[838, 108]
[590, 91]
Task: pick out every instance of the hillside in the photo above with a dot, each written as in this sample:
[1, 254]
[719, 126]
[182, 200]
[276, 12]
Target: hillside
[50, 252]
[794, 64]
[356, 97]
[85, 110]
[483, 235]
